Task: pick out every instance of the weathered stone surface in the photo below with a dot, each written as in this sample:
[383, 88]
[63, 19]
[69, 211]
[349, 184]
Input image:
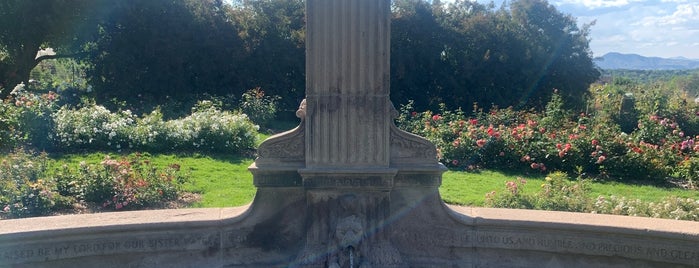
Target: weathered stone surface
[347, 189]
[424, 235]
[347, 83]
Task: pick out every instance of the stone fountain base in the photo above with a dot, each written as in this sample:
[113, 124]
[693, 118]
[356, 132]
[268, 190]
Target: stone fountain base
[419, 232]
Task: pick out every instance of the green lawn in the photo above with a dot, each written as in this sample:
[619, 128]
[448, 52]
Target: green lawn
[222, 181]
[225, 181]
[467, 188]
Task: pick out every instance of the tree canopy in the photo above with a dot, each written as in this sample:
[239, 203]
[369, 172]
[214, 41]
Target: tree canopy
[465, 52]
[158, 49]
[27, 26]
[457, 53]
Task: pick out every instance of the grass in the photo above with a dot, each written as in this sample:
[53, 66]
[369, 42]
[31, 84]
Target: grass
[224, 181]
[469, 188]
[221, 181]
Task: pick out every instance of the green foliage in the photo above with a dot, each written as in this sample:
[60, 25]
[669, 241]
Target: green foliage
[583, 145]
[273, 34]
[207, 129]
[24, 189]
[689, 167]
[126, 183]
[140, 54]
[259, 107]
[25, 119]
[511, 197]
[464, 49]
[670, 207]
[680, 77]
[225, 181]
[212, 130]
[64, 76]
[555, 115]
[561, 194]
[151, 51]
[28, 188]
[219, 180]
[25, 30]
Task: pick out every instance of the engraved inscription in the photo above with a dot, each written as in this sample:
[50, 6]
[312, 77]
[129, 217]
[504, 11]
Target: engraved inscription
[433, 238]
[236, 239]
[676, 254]
[372, 181]
[60, 250]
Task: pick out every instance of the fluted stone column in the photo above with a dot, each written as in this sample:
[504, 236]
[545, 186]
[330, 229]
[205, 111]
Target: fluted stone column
[347, 125]
[347, 84]
[346, 154]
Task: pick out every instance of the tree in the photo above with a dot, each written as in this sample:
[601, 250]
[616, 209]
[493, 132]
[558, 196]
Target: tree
[27, 26]
[560, 51]
[419, 48]
[152, 51]
[465, 52]
[273, 32]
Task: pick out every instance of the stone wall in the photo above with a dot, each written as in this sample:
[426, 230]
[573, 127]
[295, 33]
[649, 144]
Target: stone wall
[440, 236]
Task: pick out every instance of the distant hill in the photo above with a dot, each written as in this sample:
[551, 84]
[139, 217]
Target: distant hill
[613, 61]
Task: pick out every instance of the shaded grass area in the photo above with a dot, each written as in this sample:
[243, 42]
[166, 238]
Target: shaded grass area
[224, 181]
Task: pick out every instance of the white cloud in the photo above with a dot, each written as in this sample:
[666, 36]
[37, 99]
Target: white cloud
[686, 16]
[662, 28]
[615, 38]
[593, 4]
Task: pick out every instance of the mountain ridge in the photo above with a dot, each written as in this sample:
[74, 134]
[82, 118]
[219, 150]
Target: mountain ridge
[616, 60]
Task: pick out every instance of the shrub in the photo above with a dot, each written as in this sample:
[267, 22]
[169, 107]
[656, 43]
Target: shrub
[562, 194]
[93, 127]
[511, 197]
[207, 129]
[125, 183]
[28, 189]
[260, 107]
[580, 145]
[24, 188]
[669, 208]
[25, 119]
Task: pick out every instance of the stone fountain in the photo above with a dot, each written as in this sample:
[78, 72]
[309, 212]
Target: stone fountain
[346, 188]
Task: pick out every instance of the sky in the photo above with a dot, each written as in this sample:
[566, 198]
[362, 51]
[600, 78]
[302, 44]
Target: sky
[651, 28]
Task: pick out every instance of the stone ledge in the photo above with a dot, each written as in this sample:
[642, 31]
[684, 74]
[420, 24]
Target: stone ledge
[141, 220]
[580, 221]
[473, 216]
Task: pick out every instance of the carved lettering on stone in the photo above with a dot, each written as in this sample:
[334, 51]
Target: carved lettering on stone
[588, 246]
[63, 250]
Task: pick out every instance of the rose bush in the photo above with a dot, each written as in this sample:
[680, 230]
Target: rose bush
[25, 119]
[28, 189]
[557, 140]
